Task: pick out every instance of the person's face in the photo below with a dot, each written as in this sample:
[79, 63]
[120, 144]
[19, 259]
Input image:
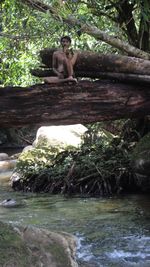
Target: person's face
[65, 43]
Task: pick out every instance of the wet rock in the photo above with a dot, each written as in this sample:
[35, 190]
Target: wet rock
[34, 247]
[4, 156]
[6, 170]
[5, 178]
[10, 203]
[6, 165]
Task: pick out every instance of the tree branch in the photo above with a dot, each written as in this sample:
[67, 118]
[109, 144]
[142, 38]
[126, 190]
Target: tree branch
[14, 37]
[89, 29]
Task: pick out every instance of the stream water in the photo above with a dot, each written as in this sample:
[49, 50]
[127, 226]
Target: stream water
[111, 231]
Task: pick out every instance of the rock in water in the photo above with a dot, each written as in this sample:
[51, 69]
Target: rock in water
[4, 156]
[8, 203]
[33, 247]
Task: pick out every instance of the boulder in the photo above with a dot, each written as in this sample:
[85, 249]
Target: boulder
[27, 148]
[7, 165]
[5, 178]
[29, 246]
[61, 136]
[6, 170]
[58, 137]
[4, 156]
[11, 203]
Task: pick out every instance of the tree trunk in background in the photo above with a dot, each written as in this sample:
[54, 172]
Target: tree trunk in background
[86, 102]
[125, 19]
[144, 35]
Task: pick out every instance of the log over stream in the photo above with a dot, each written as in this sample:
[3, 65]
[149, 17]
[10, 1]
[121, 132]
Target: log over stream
[85, 102]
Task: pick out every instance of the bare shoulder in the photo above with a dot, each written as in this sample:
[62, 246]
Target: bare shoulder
[57, 52]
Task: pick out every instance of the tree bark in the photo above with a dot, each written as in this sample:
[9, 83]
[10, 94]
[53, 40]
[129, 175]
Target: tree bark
[125, 77]
[86, 102]
[125, 10]
[96, 62]
[144, 35]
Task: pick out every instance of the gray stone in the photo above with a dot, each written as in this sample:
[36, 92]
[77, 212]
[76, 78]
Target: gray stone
[4, 156]
[5, 177]
[7, 165]
[11, 203]
[33, 247]
[61, 136]
[6, 170]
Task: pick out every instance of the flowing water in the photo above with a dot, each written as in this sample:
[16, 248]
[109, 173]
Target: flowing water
[112, 232]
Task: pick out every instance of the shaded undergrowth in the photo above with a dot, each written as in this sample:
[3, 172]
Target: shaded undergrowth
[100, 167]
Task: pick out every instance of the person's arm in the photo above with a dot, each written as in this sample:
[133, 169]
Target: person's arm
[54, 64]
[74, 58]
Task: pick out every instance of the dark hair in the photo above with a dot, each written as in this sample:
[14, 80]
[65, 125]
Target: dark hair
[65, 37]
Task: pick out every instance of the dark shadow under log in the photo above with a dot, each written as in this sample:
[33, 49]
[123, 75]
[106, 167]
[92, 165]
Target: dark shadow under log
[86, 102]
[125, 77]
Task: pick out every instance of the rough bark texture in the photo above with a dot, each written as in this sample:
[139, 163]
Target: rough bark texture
[101, 75]
[86, 102]
[96, 62]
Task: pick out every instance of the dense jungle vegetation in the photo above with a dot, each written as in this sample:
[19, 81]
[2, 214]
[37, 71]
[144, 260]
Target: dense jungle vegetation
[102, 165]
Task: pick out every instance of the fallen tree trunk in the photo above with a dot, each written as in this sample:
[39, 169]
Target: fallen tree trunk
[86, 102]
[96, 62]
[103, 75]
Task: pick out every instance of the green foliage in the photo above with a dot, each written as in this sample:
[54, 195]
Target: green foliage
[35, 160]
[143, 147]
[96, 168]
[21, 40]
[24, 31]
